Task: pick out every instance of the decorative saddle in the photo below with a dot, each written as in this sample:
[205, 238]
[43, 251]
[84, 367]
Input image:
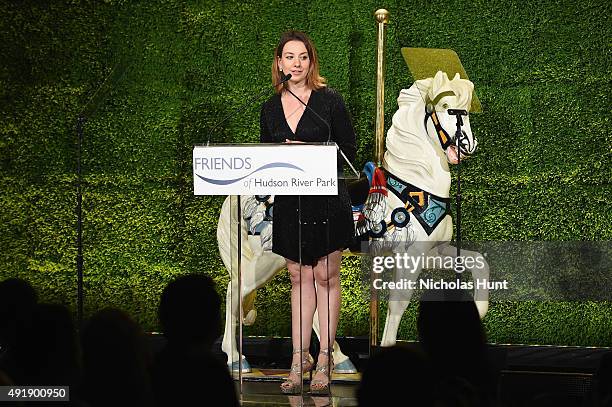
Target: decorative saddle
[369, 209]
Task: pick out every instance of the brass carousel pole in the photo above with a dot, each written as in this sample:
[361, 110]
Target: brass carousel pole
[382, 17]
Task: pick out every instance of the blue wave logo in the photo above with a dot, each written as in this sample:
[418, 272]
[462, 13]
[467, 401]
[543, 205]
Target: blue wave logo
[263, 167]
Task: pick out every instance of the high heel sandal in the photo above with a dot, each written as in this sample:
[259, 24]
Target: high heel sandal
[290, 386]
[319, 386]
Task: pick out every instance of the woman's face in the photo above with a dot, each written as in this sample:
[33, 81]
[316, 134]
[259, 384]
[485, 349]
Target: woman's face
[294, 60]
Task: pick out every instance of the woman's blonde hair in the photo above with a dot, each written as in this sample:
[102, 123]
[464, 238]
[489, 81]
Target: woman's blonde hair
[313, 79]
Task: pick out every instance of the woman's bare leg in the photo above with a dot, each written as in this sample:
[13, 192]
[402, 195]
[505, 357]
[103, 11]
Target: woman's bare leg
[327, 279]
[301, 277]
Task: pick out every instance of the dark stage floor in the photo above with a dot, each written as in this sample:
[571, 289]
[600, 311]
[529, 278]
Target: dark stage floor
[524, 371]
[260, 394]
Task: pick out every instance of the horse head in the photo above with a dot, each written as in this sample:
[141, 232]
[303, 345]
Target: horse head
[421, 142]
[447, 103]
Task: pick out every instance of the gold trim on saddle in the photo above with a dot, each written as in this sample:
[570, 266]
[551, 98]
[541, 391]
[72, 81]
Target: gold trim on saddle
[427, 208]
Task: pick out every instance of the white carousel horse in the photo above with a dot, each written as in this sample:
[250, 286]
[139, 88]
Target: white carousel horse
[419, 147]
[412, 219]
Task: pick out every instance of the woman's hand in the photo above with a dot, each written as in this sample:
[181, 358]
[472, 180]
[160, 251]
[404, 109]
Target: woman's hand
[293, 141]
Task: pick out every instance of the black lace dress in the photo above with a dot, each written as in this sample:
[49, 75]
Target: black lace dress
[327, 221]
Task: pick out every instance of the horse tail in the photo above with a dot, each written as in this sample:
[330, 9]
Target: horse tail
[248, 308]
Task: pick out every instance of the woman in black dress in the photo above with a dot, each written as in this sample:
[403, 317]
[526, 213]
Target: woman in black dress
[326, 221]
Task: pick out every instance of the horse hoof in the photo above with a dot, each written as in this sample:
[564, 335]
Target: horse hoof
[483, 307]
[346, 367]
[234, 367]
[250, 318]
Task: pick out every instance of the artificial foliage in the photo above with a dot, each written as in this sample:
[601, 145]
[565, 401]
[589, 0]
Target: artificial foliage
[156, 76]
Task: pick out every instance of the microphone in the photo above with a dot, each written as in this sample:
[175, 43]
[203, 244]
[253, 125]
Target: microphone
[244, 105]
[326, 123]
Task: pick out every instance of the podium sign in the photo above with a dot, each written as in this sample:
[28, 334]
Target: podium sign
[265, 169]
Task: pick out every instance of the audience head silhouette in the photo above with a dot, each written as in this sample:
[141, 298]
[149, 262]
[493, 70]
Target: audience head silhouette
[17, 300]
[48, 352]
[185, 369]
[451, 334]
[190, 310]
[448, 320]
[115, 356]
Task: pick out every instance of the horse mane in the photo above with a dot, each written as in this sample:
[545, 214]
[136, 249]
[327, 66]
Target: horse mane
[429, 89]
[415, 94]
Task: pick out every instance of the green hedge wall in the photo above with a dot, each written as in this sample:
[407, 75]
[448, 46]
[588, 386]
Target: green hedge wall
[541, 70]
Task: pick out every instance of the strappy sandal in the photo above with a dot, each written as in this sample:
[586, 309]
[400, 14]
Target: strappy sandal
[290, 386]
[318, 386]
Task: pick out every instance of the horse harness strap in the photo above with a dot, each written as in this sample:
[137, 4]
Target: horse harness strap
[445, 139]
[427, 208]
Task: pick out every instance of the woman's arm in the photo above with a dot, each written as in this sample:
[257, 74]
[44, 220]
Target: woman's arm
[343, 132]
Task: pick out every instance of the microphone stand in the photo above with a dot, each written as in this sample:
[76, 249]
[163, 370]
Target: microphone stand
[79, 129]
[458, 113]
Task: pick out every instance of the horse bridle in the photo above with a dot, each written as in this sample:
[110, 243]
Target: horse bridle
[445, 139]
